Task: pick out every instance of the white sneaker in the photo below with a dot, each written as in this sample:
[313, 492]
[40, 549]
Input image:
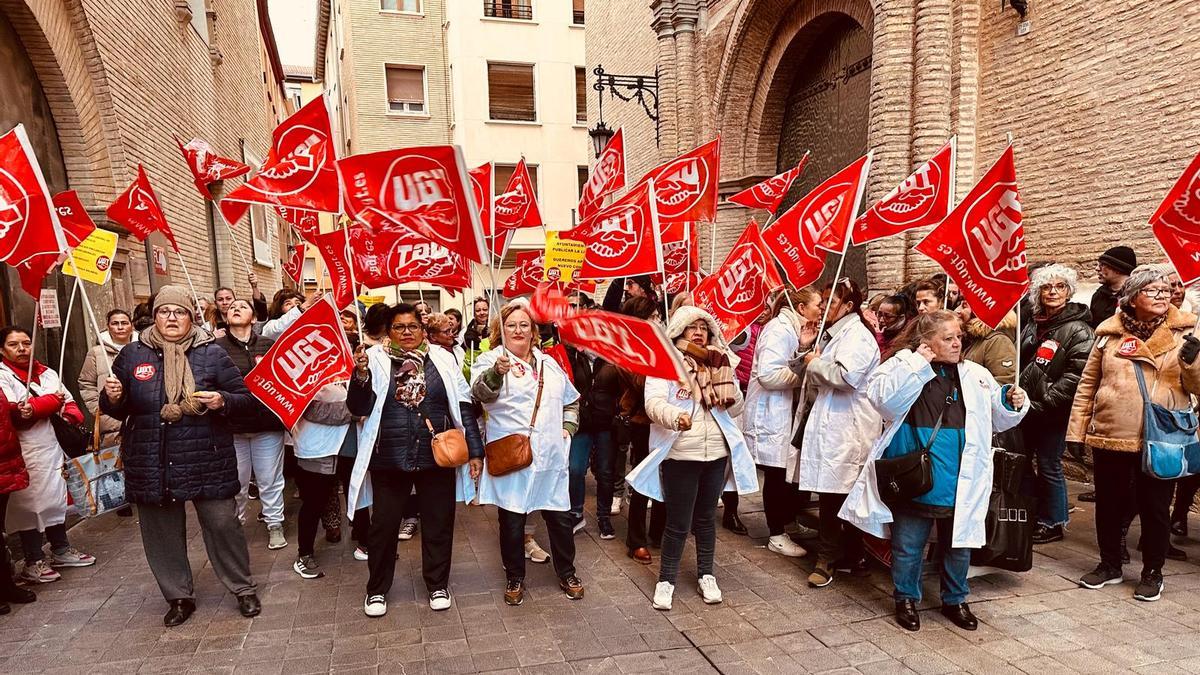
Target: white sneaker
[72, 557]
[664, 591]
[534, 552]
[616, 506]
[707, 585]
[38, 573]
[275, 538]
[783, 545]
[439, 600]
[375, 606]
[580, 525]
[360, 553]
[409, 529]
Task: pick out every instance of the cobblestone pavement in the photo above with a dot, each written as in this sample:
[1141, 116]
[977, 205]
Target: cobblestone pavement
[109, 618]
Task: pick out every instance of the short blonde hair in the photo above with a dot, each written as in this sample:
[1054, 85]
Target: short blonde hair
[505, 312]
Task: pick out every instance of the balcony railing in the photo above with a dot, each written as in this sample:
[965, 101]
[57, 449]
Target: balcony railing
[507, 10]
[577, 17]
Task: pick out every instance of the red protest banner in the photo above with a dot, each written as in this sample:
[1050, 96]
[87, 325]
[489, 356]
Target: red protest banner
[138, 210]
[332, 248]
[294, 267]
[77, 225]
[526, 275]
[307, 224]
[607, 176]
[770, 193]
[821, 220]
[310, 354]
[622, 238]
[624, 341]
[737, 292]
[31, 237]
[207, 166]
[399, 257]
[685, 188]
[923, 199]
[981, 244]
[517, 207]
[1176, 223]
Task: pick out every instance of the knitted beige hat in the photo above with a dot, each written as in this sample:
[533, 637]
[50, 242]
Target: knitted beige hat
[174, 295]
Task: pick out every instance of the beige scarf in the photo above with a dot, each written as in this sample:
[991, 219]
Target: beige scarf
[178, 382]
[711, 376]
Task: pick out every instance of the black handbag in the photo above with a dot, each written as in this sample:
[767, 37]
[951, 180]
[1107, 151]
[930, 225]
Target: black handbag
[1010, 518]
[72, 438]
[900, 479]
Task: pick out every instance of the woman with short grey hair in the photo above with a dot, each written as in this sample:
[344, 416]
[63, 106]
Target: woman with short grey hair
[1054, 349]
[1150, 334]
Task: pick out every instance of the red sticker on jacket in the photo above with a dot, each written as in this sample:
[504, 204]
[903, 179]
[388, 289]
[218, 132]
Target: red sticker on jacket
[144, 372]
[1128, 347]
[1046, 352]
[683, 394]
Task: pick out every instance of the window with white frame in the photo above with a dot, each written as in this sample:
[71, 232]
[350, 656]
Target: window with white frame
[199, 19]
[406, 89]
[309, 275]
[260, 222]
[511, 92]
[406, 6]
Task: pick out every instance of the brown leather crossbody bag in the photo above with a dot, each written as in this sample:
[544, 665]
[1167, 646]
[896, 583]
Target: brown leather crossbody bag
[513, 452]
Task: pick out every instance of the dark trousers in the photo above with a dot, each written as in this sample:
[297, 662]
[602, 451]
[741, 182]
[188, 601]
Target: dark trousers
[31, 542]
[435, 496]
[635, 536]
[1114, 471]
[1185, 496]
[595, 449]
[6, 579]
[315, 490]
[780, 499]
[731, 501]
[559, 526]
[164, 538]
[840, 541]
[361, 521]
[690, 494]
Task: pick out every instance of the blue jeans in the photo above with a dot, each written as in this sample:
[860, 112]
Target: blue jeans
[909, 536]
[262, 455]
[584, 445]
[1048, 445]
[690, 493]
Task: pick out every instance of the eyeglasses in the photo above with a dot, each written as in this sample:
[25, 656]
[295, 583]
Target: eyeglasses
[406, 327]
[1156, 292]
[1057, 288]
[514, 327]
[167, 313]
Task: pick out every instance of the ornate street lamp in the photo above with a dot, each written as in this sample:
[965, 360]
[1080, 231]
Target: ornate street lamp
[642, 88]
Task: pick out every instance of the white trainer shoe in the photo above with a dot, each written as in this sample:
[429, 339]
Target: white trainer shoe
[707, 585]
[439, 600]
[783, 545]
[375, 606]
[663, 594]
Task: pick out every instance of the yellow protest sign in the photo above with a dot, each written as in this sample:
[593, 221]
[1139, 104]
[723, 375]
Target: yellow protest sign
[92, 257]
[368, 300]
[563, 258]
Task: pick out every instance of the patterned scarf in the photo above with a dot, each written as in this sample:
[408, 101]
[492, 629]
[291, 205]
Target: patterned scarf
[1141, 330]
[410, 374]
[178, 382]
[713, 381]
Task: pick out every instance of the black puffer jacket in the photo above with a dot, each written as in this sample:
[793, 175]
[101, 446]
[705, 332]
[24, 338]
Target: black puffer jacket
[598, 383]
[190, 459]
[246, 355]
[1053, 353]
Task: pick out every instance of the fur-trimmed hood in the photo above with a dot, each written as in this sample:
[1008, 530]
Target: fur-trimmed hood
[686, 315]
[1162, 340]
[977, 329]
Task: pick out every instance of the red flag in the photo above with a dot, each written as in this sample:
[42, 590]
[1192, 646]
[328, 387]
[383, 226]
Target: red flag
[680, 282]
[1176, 224]
[398, 257]
[822, 218]
[737, 292]
[549, 303]
[680, 252]
[481, 188]
[622, 238]
[332, 248]
[517, 207]
[307, 224]
[294, 267]
[76, 224]
[923, 199]
[686, 187]
[526, 275]
[770, 193]
[138, 210]
[981, 244]
[310, 354]
[608, 175]
[207, 166]
[559, 353]
[422, 190]
[300, 168]
[624, 341]
[31, 236]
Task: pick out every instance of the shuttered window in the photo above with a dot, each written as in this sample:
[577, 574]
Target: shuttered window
[510, 92]
[406, 89]
[577, 12]
[580, 95]
[502, 173]
[413, 6]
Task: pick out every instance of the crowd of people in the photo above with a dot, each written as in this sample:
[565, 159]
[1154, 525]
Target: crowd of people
[829, 395]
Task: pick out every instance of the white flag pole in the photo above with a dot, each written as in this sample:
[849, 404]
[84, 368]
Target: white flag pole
[188, 275]
[62, 351]
[37, 314]
[662, 267]
[837, 275]
[233, 237]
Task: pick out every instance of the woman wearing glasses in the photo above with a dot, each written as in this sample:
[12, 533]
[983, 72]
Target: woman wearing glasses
[1150, 334]
[175, 390]
[525, 392]
[1054, 349]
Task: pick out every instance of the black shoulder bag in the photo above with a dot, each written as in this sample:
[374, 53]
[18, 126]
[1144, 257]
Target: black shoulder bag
[900, 479]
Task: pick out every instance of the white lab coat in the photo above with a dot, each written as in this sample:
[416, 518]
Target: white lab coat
[771, 395]
[842, 424]
[542, 486]
[312, 440]
[893, 389]
[44, 502]
[457, 392]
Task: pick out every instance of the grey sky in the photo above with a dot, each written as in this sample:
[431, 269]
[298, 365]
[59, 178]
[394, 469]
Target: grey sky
[295, 25]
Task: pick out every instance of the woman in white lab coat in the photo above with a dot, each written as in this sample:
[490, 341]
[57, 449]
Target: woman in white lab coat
[694, 441]
[771, 406]
[508, 382]
[840, 429]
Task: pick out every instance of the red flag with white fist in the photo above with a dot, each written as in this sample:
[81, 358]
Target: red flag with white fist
[1176, 224]
[207, 166]
[310, 354]
[31, 236]
[307, 224]
[526, 276]
[331, 246]
[294, 266]
[138, 210]
[981, 244]
[399, 257]
[607, 176]
[423, 190]
[685, 188]
[737, 292]
[300, 170]
[923, 199]
[622, 238]
[770, 193]
[821, 220]
[517, 206]
[632, 344]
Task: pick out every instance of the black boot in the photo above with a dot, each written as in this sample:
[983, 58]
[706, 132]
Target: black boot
[9, 590]
[249, 605]
[731, 522]
[179, 612]
[961, 616]
[906, 615]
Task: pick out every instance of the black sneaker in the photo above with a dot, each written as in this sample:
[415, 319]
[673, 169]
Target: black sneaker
[606, 529]
[1044, 534]
[306, 566]
[1089, 497]
[1150, 587]
[252, 490]
[1100, 577]
[1176, 553]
